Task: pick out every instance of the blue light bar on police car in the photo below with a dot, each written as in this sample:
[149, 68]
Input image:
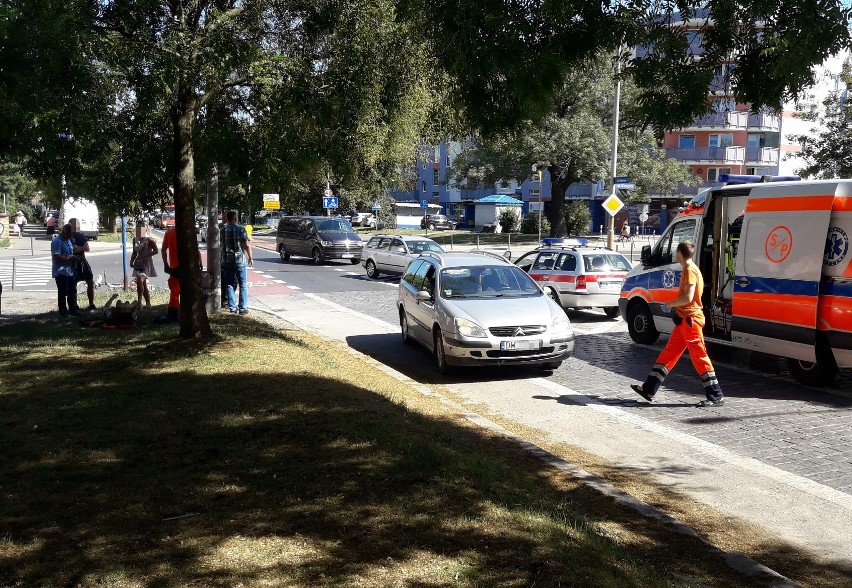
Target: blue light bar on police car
[730, 179]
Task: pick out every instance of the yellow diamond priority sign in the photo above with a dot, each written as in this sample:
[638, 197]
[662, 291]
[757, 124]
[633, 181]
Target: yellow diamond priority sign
[612, 204]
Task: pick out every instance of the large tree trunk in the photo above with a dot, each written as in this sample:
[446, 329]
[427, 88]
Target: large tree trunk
[558, 185]
[193, 315]
[214, 265]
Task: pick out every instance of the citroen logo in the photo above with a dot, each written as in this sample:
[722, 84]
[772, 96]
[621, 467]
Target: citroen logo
[519, 332]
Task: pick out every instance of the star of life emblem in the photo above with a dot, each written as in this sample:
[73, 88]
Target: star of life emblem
[669, 278]
[836, 246]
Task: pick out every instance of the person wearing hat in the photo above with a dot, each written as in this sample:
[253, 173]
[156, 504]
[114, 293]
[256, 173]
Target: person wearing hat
[20, 220]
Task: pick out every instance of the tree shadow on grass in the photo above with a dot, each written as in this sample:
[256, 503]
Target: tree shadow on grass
[119, 474]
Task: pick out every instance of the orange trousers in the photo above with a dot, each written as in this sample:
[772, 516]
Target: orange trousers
[174, 293]
[687, 335]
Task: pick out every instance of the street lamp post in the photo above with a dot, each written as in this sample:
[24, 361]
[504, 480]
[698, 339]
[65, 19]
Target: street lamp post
[610, 223]
[536, 177]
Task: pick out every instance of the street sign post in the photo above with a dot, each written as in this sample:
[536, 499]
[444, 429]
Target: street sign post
[270, 205]
[642, 218]
[327, 192]
[329, 201]
[270, 198]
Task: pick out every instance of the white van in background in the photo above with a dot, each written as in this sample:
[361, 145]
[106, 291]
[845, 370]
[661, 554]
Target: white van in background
[83, 210]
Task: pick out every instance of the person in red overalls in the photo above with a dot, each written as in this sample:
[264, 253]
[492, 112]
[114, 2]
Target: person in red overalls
[687, 334]
[171, 266]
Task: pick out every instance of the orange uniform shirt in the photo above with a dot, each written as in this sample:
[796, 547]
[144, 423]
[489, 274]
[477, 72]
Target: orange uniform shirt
[691, 275]
[170, 247]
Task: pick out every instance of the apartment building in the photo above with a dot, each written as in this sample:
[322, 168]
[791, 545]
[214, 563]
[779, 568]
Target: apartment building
[733, 140]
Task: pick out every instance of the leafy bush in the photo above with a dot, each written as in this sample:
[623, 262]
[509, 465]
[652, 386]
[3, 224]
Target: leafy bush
[529, 226]
[508, 219]
[577, 217]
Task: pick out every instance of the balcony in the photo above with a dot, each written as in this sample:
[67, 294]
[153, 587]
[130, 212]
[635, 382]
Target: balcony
[762, 155]
[721, 155]
[719, 120]
[764, 122]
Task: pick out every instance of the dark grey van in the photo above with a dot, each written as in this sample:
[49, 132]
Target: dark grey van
[318, 237]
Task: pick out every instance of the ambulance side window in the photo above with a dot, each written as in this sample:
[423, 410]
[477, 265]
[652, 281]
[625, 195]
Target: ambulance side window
[682, 231]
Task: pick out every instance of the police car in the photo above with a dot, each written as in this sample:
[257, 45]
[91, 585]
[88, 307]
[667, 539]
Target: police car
[575, 275]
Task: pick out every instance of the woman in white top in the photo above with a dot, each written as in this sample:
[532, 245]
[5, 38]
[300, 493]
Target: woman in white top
[142, 262]
[20, 220]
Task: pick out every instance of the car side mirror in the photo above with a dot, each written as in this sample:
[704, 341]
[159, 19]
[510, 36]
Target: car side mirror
[507, 254]
[422, 296]
[646, 255]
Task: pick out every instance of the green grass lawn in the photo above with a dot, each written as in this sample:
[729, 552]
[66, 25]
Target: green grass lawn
[271, 458]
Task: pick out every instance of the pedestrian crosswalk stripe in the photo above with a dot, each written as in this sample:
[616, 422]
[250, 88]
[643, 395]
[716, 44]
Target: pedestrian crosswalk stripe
[29, 272]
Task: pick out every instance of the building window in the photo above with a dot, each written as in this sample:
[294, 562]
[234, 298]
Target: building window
[436, 177]
[436, 194]
[750, 171]
[686, 142]
[423, 186]
[713, 173]
[721, 139]
[534, 192]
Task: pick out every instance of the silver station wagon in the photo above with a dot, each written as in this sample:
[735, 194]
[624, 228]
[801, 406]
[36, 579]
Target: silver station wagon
[477, 309]
[390, 254]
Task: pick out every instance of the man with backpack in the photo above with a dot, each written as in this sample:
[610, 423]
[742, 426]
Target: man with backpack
[236, 253]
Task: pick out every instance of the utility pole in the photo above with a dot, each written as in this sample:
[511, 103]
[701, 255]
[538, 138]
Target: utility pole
[536, 175]
[610, 223]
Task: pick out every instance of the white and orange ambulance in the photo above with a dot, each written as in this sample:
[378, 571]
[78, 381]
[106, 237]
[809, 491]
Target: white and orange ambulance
[777, 270]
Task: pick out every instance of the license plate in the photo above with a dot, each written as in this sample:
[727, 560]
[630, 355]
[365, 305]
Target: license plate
[347, 255]
[524, 345]
[609, 285]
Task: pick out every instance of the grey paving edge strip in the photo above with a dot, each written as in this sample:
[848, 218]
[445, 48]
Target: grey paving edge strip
[737, 561]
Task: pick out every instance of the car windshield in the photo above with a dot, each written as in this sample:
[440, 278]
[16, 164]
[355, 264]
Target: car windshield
[605, 262]
[421, 246]
[486, 282]
[333, 226]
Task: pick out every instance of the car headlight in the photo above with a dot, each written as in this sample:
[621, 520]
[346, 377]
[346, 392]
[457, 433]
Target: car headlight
[327, 243]
[560, 324]
[469, 328]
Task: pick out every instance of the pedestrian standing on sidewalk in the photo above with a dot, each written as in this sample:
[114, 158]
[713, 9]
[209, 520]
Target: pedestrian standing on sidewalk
[84, 270]
[687, 334]
[142, 262]
[64, 260]
[236, 251]
[20, 221]
[51, 225]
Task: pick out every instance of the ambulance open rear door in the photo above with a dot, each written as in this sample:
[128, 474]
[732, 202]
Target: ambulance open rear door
[778, 268]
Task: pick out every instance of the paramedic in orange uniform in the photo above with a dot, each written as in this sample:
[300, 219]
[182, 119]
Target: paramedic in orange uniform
[172, 267]
[687, 334]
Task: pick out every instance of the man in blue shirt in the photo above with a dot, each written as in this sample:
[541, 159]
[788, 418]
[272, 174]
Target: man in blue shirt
[236, 251]
[62, 253]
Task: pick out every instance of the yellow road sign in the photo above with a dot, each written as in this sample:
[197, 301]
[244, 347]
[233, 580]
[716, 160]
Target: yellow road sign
[612, 204]
[272, 205]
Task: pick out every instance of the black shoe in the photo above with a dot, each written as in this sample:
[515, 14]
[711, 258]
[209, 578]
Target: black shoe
[92, 308]
[705, 403]
[638, 389]
[244, 312]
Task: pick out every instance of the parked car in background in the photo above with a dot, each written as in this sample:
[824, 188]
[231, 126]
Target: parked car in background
[167, 220]
[86, 211]
[578, 276]
[390, 254]
[357, 219]
[478, 309]
[319, 237]
[435, 222]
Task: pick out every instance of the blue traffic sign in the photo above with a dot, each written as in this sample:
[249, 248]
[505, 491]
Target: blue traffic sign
[424, 204]
[329, 202]
[376, 207]
[621, 180]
